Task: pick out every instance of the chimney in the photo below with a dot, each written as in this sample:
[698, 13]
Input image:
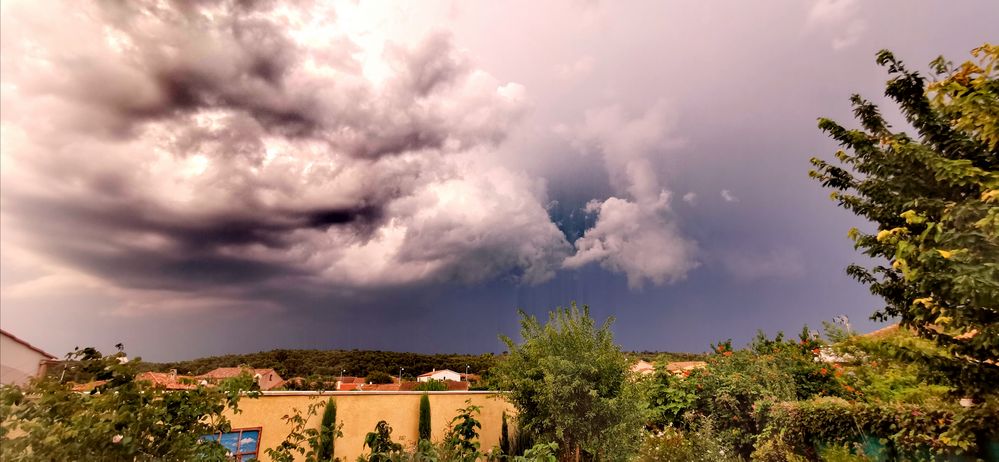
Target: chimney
[173, 373]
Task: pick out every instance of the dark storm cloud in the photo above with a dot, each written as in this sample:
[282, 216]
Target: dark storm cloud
[200, 144]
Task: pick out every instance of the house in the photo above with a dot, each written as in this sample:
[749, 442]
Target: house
[20, 361]
[267, 379]
[643, 367]
[443, 374]
[685, 367]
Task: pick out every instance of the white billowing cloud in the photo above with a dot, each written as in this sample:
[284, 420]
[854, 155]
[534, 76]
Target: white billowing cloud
[782, 263]
[727, 196]
[634, 234]
[221, 149]
[690, 198]
[636, 239]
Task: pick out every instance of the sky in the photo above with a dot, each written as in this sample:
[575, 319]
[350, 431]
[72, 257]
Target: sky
[200, 178]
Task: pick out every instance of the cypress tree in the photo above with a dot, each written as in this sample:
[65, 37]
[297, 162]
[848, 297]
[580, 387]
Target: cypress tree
[327, 440]
[424, 428]
[505, 437]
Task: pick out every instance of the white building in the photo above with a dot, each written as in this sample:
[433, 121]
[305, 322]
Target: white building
[443, 374]
[19, 360]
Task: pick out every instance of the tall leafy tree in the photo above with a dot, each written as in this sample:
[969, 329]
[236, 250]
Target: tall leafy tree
[571, 384]
[934, 196]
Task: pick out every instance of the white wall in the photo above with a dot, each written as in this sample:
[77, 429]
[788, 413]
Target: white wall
[18, 363]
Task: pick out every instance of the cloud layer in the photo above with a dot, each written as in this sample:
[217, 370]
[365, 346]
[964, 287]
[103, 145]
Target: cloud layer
[634, 234]
[227, 147]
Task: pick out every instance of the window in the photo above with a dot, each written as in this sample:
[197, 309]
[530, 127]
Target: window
[242, 444]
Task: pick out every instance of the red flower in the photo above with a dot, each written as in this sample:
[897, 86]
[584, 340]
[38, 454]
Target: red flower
[823, 371]
[816, 351]
[727, 353]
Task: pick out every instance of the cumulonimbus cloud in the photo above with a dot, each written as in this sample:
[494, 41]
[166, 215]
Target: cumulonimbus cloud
[208, 146]
[635, 233]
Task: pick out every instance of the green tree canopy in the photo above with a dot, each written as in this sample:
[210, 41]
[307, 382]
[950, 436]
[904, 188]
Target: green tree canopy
[571, 385]
[935, 199]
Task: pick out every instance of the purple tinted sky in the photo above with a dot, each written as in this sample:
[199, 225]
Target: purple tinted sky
[235, 177]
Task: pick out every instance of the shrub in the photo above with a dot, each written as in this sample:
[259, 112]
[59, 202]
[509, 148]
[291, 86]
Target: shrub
[571, 385]
[383, 449]
[119, 419]
[431, 385]
[378, 377]
[703, 444]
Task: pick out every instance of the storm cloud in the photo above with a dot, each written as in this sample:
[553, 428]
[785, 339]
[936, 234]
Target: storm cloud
[194, 146]
[197, 177]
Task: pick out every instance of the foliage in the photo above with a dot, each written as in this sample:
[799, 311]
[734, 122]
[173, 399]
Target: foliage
[462, 442]
[378, 377]
[935, 199]
[424, 427]
[798, 359]
[504, 442]
[727, 391]
[379, 441]
[121, 419]
[875, 375]
[571, 384]
[329, 431]
[432, 385]
[541, 452]
[700, 444]
[905, 429]
[315, 444]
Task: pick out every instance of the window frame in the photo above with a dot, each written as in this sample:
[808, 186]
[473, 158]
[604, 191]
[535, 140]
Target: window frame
[239, 455]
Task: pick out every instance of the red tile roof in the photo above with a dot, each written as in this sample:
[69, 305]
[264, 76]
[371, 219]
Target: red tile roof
[167, 380]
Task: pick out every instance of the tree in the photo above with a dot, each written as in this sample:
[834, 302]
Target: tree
[378, 377]
[424, 423]
[120, 419]
[504, 441]
[571, 385]
[935, 200]
[329, 431]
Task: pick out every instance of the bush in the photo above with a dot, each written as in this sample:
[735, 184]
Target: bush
[726, 391]
[431, 385]
[119, 419]
[572, 385]
[703, 444]
[904, 429]
[378, 377]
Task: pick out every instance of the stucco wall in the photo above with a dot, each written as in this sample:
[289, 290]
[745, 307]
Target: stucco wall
[18, 363]
[360, 411]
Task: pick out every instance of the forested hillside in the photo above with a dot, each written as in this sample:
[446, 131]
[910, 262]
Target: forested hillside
[305, 363]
